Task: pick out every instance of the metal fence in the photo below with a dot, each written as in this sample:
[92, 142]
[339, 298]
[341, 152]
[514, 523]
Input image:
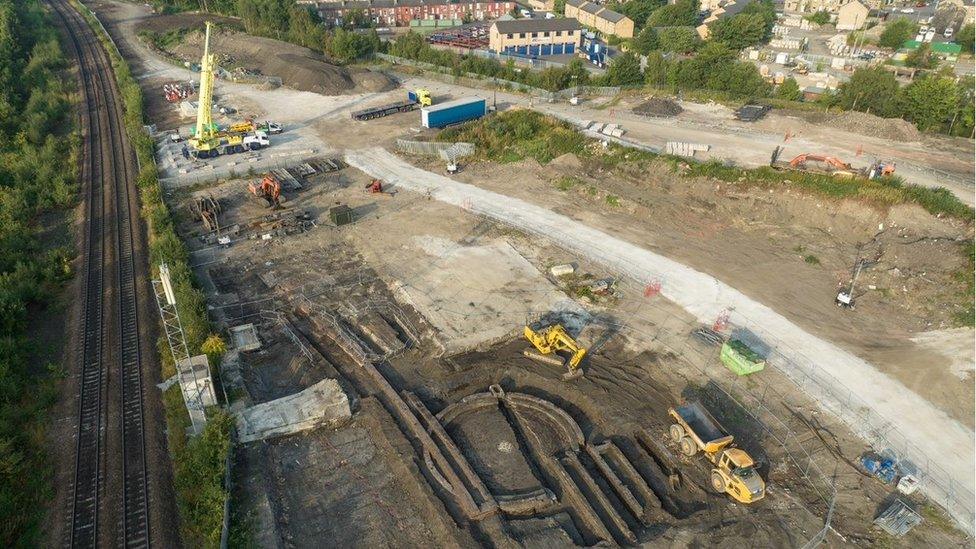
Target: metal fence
[437, 72]
[533, 62]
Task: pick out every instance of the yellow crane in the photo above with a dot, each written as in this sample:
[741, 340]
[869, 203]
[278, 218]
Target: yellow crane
[208, 141]
[552, 339]
[206, 131]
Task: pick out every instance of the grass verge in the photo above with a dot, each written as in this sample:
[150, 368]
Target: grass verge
[198, 463]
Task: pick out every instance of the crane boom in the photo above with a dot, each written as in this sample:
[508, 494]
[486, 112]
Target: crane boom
[205, 128]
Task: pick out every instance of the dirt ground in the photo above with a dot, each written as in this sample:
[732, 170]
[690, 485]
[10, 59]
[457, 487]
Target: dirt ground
[629, 384]
[792, 251]
[457, 289]
[299, 68]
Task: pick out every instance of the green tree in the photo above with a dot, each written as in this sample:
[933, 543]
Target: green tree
[740, 31]
[789, 90]
[966, 37]
[646, 41]
[215, 348]
[871, 90]
[922, 57]
[678, 39]
[357, 19]
[929, 101]
[820, 18]
[559, 7]
[897, 32]
[345, 46]
[681, 13]
[637, 10]
[304, 27]
[964, 119]
[656, 71]
[624, 70]
[764, 8]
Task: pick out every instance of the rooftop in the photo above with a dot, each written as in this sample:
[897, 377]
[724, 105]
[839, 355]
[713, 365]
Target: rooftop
[937, 47]
[597, 10]
[363, 4]
[537, 25]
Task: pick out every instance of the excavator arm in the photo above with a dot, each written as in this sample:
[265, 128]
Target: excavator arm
[554, 338]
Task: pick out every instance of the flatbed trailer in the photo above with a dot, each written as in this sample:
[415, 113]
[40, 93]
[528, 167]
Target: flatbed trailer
[384, 110]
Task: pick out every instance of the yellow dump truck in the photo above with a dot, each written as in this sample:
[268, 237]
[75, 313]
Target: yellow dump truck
[734, 473]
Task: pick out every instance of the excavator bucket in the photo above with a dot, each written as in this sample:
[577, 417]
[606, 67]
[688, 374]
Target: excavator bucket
[573, 373]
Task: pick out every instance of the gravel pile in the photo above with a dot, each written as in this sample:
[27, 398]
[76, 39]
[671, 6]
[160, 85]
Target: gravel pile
[658, 107]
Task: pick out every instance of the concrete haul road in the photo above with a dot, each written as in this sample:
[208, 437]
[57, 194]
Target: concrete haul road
[104, 494]
[938, 439]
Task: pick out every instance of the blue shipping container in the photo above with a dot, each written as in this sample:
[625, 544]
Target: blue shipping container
[453, 112]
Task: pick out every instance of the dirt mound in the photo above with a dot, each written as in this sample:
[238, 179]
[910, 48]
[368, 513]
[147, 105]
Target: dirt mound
[568, 161]
[656, 106]
[861, 123]
[895, 129]
[299, 68]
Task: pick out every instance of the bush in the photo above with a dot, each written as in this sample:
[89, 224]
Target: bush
[820, 18]
[38, 155]
[515, 135]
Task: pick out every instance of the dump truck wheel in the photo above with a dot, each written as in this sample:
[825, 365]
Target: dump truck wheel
[688, 447]
[718, 482]
[677, 432]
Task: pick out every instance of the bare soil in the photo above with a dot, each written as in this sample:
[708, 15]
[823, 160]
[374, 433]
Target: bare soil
[299, 68]
[306, 485]
[790, 250]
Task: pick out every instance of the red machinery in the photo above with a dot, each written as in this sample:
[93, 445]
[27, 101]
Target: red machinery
[376, 187]
[269, 189]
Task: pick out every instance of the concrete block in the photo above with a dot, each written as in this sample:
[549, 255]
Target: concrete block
[320, 404]
[562, 270]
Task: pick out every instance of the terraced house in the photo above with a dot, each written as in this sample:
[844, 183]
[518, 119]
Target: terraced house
[535, 37]
[600, 18]
[399, 13]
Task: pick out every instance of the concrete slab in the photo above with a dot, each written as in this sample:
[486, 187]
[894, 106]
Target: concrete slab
[321, 404]
[494, 280]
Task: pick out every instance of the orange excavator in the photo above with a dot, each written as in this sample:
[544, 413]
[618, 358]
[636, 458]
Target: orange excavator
[269, 189]
[824, 164]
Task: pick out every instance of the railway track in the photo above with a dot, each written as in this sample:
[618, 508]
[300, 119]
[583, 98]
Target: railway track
[110, 354]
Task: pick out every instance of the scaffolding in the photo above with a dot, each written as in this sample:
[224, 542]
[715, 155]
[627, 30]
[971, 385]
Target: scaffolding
[194, 381]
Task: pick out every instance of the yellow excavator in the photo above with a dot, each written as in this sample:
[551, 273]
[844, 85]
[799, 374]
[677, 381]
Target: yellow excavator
[550, 340]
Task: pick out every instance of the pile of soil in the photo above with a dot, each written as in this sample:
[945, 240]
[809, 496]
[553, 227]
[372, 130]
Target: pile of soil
[895, 129]
[861, 123]
[299, 68]
[656, 106]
